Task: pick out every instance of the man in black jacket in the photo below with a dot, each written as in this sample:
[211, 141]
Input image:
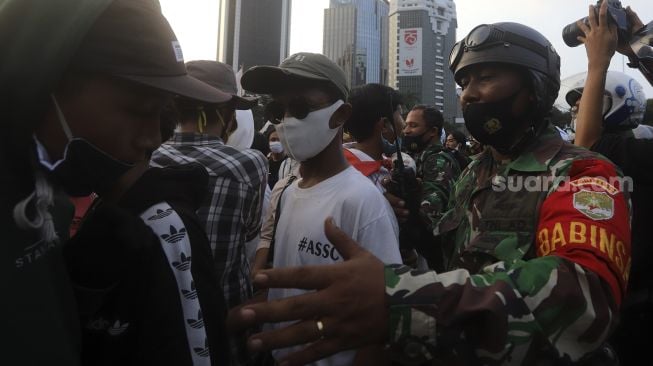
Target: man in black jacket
[81, 98]
[597, 128]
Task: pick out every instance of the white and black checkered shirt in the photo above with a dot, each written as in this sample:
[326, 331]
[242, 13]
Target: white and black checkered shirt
[232, 212]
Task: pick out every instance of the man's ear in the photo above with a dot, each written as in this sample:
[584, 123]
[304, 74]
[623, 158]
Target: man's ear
[435, 133]
[340, 116]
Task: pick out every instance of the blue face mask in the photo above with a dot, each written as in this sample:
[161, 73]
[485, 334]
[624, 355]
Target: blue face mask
[388, 147]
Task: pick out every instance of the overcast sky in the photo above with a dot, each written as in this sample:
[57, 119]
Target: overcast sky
[195, 23]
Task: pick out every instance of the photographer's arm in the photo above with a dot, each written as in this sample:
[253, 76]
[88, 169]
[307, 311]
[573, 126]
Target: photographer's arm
[600, 43]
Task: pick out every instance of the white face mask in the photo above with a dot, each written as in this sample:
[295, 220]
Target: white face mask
[276, 147]
[305, 138]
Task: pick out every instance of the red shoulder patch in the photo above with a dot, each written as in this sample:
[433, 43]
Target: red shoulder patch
[587, 221]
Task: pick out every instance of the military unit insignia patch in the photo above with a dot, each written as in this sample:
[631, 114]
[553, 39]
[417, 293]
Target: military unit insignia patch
[595, 205]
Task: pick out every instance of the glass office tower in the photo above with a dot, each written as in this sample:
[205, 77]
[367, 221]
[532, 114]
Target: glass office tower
[253, 32]
[356, 38]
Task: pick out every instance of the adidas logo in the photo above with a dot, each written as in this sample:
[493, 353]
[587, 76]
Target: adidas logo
[196, 323]
[202, 352]
[98, 324]
[190, 294]
[184, 265]
[117, 328]
[175, 236]
[160, 214]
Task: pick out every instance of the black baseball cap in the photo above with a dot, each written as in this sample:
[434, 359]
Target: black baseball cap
[220, 76]
[132, 40]
[300, 67]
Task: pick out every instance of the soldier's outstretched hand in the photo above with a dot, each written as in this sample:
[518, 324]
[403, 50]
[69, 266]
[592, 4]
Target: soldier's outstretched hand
[347, 310]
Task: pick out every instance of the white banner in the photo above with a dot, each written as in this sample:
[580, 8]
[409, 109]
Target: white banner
[410, 52]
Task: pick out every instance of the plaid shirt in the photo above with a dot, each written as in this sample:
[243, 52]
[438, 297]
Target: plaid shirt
[232, 213]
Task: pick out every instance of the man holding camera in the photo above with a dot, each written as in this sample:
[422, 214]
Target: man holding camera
[597, 130]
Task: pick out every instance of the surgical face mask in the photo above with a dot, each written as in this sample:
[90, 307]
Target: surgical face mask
[304, 138]
[388, 147]
[276, 147]
[85, 168]
[494, 123]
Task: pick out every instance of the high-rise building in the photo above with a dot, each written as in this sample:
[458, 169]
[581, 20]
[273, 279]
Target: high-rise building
[253, 32]
[422, 33]
[356, 38]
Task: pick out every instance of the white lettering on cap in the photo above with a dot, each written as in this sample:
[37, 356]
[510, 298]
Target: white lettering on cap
[179, 55]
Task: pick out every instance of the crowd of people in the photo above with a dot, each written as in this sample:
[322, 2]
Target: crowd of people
[145, 222]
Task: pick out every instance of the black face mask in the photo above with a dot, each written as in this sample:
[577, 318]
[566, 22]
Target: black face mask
[86, 169]
[415, 144]
[494, 123]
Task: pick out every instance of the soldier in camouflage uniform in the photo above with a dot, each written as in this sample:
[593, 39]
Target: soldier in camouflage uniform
[437, 168]
[536, 244]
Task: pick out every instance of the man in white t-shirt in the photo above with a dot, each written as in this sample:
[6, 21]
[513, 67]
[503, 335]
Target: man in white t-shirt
[308, 92]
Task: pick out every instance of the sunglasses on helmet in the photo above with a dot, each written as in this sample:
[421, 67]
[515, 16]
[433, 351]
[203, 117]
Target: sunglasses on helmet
[488, 36]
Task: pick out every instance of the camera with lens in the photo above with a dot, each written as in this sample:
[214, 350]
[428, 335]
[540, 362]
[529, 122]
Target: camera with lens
[616, 14]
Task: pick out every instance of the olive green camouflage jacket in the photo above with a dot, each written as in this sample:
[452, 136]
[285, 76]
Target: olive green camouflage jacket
[536, 253]
[438, 171]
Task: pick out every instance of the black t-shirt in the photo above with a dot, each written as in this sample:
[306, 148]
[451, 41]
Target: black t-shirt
[632, 155]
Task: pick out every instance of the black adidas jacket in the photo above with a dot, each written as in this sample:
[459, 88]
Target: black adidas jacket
[135, 317]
